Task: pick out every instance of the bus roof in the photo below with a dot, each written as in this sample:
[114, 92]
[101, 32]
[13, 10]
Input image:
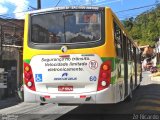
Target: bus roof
[67, 8]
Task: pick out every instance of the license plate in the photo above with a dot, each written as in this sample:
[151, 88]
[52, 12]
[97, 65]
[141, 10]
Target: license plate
[65, 88]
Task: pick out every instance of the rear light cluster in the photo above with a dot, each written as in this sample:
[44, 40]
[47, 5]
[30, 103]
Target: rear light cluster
[104, 75]
[28, 77]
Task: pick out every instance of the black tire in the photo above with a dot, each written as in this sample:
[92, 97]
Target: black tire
[130, 96]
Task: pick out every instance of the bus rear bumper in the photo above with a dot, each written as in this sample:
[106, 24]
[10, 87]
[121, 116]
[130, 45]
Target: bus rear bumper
[101, 97]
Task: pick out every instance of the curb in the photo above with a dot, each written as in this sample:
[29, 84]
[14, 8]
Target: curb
[156, 78]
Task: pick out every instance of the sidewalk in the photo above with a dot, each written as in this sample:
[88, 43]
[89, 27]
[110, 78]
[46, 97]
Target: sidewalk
[8, 102]
[155, 78]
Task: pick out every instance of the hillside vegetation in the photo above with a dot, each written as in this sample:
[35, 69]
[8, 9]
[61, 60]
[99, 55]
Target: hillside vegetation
[145, 28]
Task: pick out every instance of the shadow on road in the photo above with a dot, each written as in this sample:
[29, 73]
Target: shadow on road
[146, 99]
[8, 102]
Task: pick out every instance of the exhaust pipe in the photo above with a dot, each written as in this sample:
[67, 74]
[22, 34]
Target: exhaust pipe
[42, 99]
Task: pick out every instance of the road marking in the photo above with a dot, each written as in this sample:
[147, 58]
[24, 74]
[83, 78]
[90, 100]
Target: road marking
[150, 101]
[147, 108]
[153, 96]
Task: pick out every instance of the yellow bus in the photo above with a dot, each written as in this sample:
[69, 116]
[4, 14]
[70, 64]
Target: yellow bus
[78, 55]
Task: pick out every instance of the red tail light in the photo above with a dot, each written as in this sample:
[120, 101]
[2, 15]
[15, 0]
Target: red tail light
[28, 77]
[104, 75]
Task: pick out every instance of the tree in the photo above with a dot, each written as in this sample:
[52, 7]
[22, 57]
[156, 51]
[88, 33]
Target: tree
[145, 28]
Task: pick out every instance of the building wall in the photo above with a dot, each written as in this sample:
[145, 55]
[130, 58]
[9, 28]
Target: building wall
[12, 34]
[12, 30]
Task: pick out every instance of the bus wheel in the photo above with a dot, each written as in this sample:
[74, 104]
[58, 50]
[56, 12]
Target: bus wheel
[141, 77]
[130, 96]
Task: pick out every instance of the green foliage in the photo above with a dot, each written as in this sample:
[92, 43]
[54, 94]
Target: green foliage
[145, 28]
[158, 66]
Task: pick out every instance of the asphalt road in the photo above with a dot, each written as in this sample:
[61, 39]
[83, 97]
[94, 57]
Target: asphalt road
[145, 102]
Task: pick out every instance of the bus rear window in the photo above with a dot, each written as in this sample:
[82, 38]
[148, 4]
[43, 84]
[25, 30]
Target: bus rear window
[66, 27]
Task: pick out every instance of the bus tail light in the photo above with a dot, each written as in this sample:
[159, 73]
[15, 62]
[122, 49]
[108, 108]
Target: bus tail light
[28, 77]
[104, 75]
